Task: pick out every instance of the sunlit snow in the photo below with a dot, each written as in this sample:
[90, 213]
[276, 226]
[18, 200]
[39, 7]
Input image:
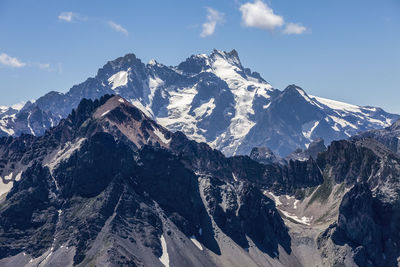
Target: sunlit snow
[119, 79]
[197, 243]
[164, 257]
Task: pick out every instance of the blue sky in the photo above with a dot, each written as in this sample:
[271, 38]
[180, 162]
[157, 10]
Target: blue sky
[343, 50]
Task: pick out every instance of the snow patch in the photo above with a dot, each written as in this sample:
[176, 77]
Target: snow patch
[295, 203]
[343, 123]
[303, 220]
[20, 105]
[333, 104]
[161, 136]
[152, 62]
[308, 128]
[275, 198]
[6, 130]
[5, 187]
[18, 176]
[205, 109]
[142, 108]
[119, 79]
[64, 153]
[197, 243]
[164, 256]
[267, 105]
[234, 177]
[105, 113]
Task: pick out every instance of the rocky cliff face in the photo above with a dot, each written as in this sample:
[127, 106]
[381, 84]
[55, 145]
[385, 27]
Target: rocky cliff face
[369, 212]
[266, 156]
[389, 136]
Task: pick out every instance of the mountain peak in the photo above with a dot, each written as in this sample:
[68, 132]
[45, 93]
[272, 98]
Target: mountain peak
[202, 62]
[111, 104]
[122, 63]
[294, 87]
[126, 59]
[123, 120]
[232, 54]
[231, 57]
[294, 90]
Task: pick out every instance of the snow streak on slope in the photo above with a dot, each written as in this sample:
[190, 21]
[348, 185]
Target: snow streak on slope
[308, 129]
[164, 257]
[161, 136]
[29, 123]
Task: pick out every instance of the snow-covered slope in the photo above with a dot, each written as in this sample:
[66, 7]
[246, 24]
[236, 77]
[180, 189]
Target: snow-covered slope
[211, 98]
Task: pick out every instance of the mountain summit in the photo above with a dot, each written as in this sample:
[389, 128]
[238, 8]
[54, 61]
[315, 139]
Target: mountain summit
[211, 98]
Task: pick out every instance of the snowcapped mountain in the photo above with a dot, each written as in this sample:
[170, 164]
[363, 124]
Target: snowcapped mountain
[211, 98]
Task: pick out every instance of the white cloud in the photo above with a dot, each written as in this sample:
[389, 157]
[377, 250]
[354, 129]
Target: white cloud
[118, 28]
[213, 18]
[16, 63]
[11, 61]
[70, 16]
[294, 28]
[260, 15]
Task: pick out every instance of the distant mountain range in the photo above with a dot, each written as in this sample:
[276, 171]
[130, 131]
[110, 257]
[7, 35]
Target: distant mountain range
[210, 98]
[108, 186]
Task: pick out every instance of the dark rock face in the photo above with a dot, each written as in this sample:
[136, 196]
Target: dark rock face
[369, 227]
[89, 189]
[241, 210]
[314, 148]
[389, 136]
[28, 215]
[265, 155]
[369, 212]
[351, 161]
[357, 223]
[280, 178]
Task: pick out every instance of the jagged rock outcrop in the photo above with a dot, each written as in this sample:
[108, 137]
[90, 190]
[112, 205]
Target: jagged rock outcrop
[369, 212]
[313, 149]
[389, 136]
[266, 156]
